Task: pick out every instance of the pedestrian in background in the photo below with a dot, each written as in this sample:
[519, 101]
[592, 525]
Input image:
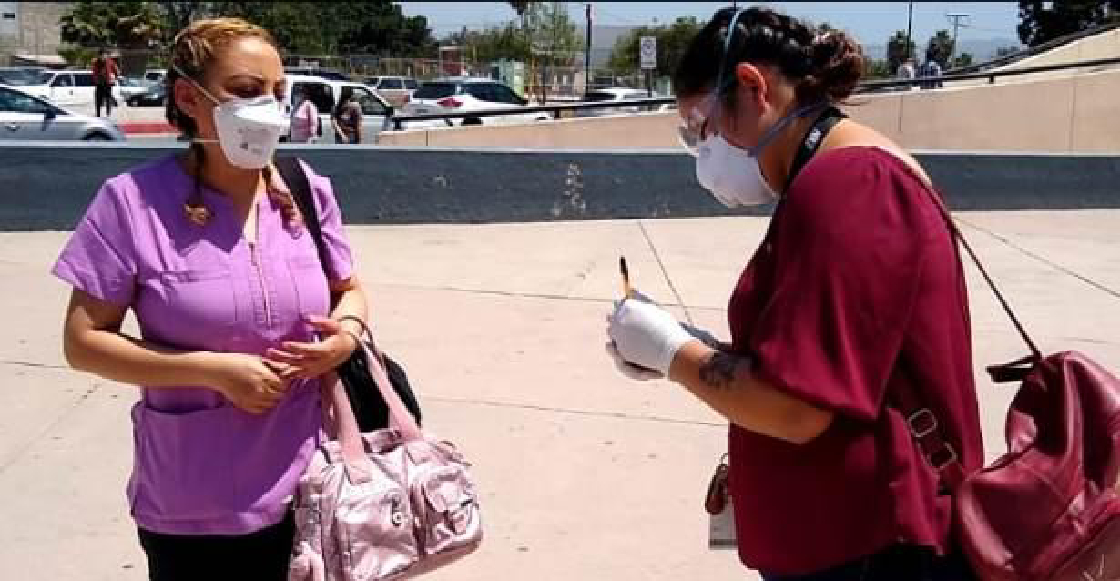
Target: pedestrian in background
[105, 76]
[931, 73]
[347, 118]
[907, 71]
[855, 290]
[305, 116]
[209, 251]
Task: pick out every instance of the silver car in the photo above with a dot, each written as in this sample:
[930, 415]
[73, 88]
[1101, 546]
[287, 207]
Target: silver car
[24, 116]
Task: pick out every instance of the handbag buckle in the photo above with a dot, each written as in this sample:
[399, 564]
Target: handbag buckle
[922, 423]
[943, 457]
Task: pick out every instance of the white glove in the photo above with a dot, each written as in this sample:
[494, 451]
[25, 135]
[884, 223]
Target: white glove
[646, 335]
[629, 369]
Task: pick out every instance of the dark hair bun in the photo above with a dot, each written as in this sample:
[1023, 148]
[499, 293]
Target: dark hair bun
[835, 67]
[823, 64]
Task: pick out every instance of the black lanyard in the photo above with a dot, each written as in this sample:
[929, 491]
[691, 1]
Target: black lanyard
[813, 139]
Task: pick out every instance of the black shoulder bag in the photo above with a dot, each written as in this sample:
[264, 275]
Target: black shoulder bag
[365, 399]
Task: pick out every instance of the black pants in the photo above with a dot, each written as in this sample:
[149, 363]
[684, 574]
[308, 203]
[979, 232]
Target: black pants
[895, 563]
[103, 96]
[262, 555]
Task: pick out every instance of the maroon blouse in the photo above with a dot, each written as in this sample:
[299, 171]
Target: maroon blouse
[856, 274]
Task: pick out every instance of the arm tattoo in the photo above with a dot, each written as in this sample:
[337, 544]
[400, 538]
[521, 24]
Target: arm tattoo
[719, 370]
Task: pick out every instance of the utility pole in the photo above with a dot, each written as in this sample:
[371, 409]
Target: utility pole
[909, 33]
[587, 55]
[957, 19]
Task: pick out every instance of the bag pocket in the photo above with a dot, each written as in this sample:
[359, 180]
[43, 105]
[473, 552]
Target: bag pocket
[373, 530]
[448, 517]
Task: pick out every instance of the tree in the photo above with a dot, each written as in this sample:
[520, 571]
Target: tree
[495, 43]
[112, 24]
[962, 60]
[877, 68]
[1041, 22]
[177, 15]
[898, 50]
[672, 41]
[551, 31]
[132, 27]
[519, 6]
[370, 27]
[940, 48]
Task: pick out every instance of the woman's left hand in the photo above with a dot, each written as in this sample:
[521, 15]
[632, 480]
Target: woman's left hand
[308, 360]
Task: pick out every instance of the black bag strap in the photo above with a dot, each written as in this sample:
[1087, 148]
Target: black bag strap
[291, 170]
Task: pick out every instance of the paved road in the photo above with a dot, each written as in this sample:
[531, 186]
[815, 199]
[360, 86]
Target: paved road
[584, 474]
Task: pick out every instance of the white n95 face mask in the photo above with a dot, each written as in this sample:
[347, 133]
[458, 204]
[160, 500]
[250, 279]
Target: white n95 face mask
[731, 174]
[249, 129]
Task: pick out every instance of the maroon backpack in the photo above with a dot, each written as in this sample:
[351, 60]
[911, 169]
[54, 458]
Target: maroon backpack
[1047, 510]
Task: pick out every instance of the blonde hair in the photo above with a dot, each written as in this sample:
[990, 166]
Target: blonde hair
[195, 49]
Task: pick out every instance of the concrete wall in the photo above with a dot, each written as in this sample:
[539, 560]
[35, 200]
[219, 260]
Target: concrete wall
[1067, 114]
[1100, 46]
[47, 186]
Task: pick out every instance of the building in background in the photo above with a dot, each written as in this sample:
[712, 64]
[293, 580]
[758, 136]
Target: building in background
[30, 33]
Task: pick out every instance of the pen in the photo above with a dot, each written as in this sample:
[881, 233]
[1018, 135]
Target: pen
[625, 277]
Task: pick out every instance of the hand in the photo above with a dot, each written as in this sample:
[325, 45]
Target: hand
[629, 369]
[646, 335]
[249, 382]
[308, 360]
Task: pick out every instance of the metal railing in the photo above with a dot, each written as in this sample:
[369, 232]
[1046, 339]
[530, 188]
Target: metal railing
[556, 110]
[991, 76]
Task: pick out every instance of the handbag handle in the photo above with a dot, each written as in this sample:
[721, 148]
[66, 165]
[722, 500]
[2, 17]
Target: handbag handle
[1035, 355]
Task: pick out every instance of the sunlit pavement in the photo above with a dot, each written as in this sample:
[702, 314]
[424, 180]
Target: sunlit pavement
[584, 475]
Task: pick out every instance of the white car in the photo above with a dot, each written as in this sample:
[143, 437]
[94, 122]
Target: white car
[153, 77]
[614, 94]
[395, 90]
[325, 93]
[467, 95]
[24, 116]
[68, 88]
[130, 87]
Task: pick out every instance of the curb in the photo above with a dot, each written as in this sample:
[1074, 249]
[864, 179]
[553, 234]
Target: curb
[151, 128]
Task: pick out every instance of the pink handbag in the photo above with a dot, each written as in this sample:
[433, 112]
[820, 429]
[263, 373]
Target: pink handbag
[388, 504]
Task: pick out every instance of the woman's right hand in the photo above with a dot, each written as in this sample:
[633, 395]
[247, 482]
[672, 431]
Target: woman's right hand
[249, 382]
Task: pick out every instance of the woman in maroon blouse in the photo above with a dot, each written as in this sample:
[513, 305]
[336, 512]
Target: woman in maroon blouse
[855, 289]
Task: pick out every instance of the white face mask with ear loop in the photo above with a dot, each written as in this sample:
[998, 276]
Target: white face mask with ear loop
[733, 174]
[249, 129]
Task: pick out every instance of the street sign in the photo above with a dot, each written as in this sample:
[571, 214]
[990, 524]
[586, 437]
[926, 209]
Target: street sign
[648, 51]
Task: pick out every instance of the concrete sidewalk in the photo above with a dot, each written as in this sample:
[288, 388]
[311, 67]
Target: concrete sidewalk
[584, 474]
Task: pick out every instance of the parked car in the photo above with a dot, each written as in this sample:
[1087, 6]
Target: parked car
[68, 88]
[467, 95]
[20, 76]
[395, 90]
[154, 96]
[376, 112]
[130, 87]
[155, 77]
[25, 116]
[614, 94]
[329, 74]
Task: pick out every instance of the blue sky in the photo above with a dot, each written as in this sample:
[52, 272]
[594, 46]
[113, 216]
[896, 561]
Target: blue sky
[870, 22]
